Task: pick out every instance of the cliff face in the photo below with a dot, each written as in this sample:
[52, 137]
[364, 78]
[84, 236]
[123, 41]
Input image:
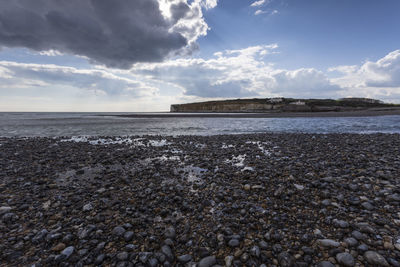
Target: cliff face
[279, 105]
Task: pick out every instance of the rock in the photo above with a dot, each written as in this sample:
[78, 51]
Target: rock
[357, 235]
[328, 243]
[325, 264]
[393, 262]
[152, 262]
[345, 259]
[351, 242]
[367, 206]
[340, 223]
[184, 258]
[67, 252]
[123, 256]
[118, 231]
[128, 236]
[229, 261]
[285, 259]
[58, 247]
[263, 244]
[375, 259]
[170, 232]
[5, 209]
[100, 258]
[87, 207]
[207, 261]
[299, 187]
[168, 253]
[362, 248]
[233, 243]
[39, 237]
[255, 251]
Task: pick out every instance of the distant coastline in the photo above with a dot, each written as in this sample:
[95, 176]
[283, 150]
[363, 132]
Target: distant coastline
[284, 105]
[373, 112]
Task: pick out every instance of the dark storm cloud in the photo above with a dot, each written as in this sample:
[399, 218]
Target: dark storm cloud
[116, 33]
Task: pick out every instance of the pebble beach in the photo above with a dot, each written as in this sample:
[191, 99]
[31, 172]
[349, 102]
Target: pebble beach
[226, 200]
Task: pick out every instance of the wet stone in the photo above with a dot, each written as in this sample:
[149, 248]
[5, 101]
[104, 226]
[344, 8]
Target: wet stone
[351, 242]
[375, 259]
[328, 243]
[128, 236]
[118, 231]
[184, 258]
[286, 260]
[233, 243]
[345, 259]
[207, 261]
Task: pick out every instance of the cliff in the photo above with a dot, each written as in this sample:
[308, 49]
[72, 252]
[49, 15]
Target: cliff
[280, 105]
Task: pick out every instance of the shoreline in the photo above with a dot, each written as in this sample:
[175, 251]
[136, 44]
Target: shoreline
[361, 113]
[252, 199]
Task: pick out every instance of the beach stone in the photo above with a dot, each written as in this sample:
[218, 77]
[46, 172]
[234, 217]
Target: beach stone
[362, 248]
[87, 207]
[207, 261]
[170, 232]
[5, 209]
[122, 256]
[375, 259]
[345, 259]
[168, 253]
[184, 258]
[340, 223]
[325, 264]
[328, 243]
[357, 235]
[152, 262]
[285, 259]
[118, 231]
[67, 252]
[58, 247]
[255, 251]
[233, 243]
[128, 236]
[351, 242]
[393, 262]
[100, 258]
[367, 206]
[229, 261]
[299, 187]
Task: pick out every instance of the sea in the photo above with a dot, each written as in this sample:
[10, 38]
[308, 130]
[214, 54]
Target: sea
[41, 124]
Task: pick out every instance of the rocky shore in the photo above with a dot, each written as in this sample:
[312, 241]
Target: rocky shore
[235, 200]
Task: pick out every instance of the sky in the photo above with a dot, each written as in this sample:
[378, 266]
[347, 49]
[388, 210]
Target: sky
[144, 55]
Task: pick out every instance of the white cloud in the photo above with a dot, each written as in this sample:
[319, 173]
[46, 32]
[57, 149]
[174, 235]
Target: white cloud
[258, 3]
[208, 4]
[239, 73]
[379, 79]
[26, 75]
[259, 12]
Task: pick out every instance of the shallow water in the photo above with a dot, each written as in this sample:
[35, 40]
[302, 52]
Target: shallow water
[98, 124]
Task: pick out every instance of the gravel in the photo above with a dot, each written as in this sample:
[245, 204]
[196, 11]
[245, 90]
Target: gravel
[234, 200]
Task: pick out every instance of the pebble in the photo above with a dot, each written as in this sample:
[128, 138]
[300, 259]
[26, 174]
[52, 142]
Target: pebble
[67, 252]
[328, 243]
[145, 212]
[233, 243]
[325, 264]
[345, 259]
[375, 259]
[207, 261]
[184, 258]
[119, 231]
[285, 259]
[87, 207]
